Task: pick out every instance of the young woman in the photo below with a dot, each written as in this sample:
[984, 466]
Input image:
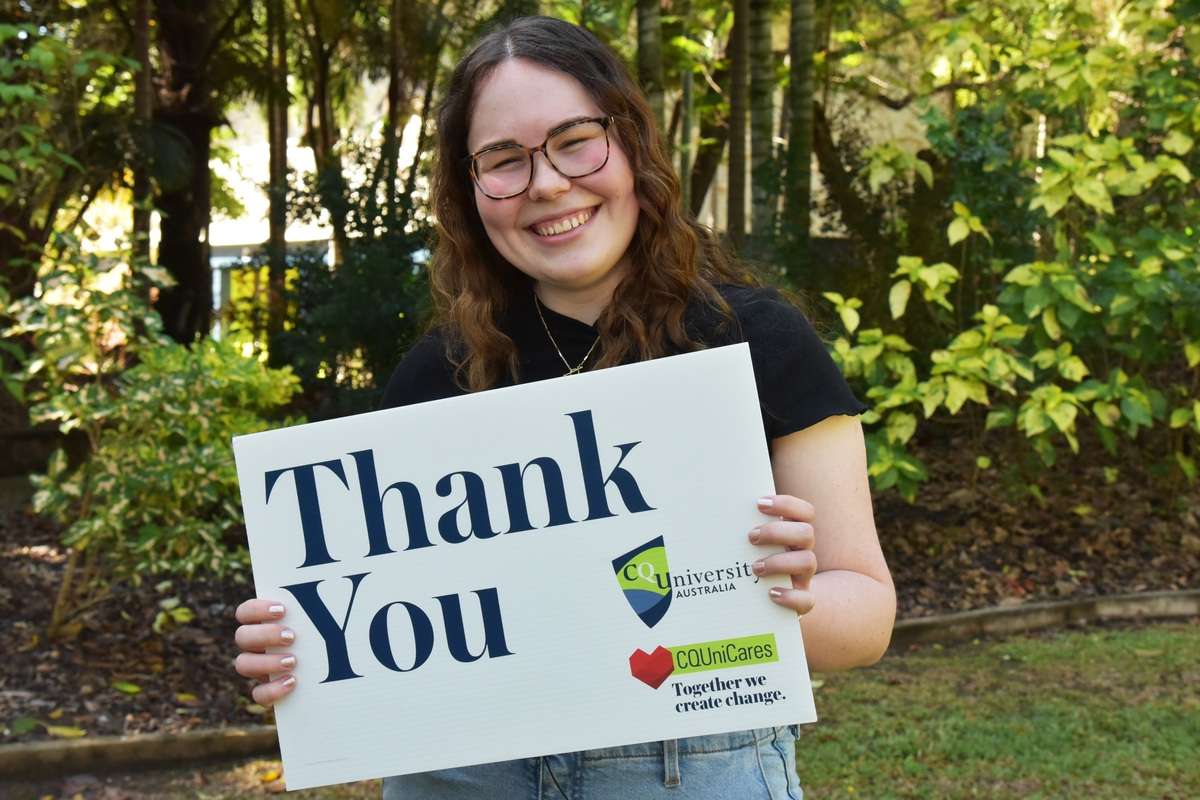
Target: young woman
[561, 248]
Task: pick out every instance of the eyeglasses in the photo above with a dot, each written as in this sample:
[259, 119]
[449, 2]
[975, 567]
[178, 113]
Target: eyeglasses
[575, 149]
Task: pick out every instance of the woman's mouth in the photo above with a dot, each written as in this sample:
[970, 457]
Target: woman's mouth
[560, 228]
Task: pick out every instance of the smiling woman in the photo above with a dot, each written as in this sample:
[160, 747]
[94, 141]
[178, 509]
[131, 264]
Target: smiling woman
[570, 233]
[563, 247]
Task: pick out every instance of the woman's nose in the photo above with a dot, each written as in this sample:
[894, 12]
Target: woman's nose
[547, 182]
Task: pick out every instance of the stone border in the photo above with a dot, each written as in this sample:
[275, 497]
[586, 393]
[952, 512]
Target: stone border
[54, 758]
[48, 759]
[1054, 614]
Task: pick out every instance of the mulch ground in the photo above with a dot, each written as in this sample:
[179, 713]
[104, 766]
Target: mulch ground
[971, 540]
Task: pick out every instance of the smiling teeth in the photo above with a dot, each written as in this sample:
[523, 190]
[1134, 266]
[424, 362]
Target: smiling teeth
[562, 226]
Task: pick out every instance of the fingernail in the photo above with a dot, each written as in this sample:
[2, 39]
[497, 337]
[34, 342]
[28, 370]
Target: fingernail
[287, 635]
[776, 593]
[755, 535]
[275, 611]
[766, 502]
[289, 681]
[759, 566]
[288, 661]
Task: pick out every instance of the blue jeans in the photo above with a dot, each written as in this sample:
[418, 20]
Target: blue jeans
[749, 764]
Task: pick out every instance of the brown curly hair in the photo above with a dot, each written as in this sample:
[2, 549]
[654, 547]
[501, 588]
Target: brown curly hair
[674, 259]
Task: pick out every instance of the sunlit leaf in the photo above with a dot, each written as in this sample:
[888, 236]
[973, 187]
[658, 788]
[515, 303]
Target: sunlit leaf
[898, 298]
[65, 731]
[959, 229]
[1177, 142]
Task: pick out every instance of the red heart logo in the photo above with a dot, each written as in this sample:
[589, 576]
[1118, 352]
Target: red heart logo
[652, 668]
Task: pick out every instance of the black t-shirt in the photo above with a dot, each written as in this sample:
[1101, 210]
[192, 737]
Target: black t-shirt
[798, 383]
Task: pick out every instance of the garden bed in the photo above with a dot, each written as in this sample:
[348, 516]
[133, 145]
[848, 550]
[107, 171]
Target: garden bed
[1105, 713]
[958, 547]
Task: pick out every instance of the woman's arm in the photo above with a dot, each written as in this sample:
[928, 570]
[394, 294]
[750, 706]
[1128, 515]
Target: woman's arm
[852, 596]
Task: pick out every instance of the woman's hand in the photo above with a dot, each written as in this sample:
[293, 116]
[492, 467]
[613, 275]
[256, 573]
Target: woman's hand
[794, 531]
[259, 630]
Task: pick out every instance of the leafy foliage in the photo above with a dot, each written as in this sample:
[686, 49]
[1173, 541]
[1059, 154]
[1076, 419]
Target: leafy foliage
[63, 132]
[161, 487]
[1074, 296]
[348, 324]
[156, 491]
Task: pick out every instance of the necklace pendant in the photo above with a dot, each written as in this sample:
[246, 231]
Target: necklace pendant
[570, 370]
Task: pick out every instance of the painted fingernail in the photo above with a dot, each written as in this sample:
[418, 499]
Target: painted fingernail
[275, 611]
[755, 535]
[776, 593]
[288, 661]
[759, 566]
[766, 502]
[287, 635]
[289, 681]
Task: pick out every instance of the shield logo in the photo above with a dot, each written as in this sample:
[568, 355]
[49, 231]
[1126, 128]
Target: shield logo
[645, 578]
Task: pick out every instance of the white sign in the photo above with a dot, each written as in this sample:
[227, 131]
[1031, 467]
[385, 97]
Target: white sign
[554, 567]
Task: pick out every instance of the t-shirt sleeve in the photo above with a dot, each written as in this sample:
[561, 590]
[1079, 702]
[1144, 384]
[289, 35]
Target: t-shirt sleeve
[423, 374]
[799, 384]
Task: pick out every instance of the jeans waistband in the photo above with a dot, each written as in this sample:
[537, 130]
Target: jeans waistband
[713, 743]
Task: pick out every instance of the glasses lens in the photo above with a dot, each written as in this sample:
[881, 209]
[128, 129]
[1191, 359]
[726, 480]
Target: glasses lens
[579, 150]
[502, 171]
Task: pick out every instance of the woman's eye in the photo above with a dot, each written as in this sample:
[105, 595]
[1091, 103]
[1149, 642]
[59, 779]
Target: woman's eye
[508, 163]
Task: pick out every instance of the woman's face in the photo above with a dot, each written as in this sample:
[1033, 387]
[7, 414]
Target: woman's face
[522, 102]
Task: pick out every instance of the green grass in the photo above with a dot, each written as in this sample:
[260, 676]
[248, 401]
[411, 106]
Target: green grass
[1094, 715]
[1102, 714]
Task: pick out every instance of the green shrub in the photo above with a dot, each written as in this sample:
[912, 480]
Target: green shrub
[1064, 294]
[157, 489]
[159, 493]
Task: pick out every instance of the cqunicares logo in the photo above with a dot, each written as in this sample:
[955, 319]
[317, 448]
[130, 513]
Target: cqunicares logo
[645, 578]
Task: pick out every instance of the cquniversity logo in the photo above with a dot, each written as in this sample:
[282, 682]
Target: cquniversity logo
[645, 578]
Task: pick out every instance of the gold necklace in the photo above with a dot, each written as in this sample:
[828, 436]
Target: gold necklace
[570, 370]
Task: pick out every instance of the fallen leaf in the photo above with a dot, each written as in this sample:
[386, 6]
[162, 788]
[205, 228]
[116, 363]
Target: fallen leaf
[65, 731]
[55, 714]
[269, 775]
[126, 687]
[23, 725]
[255, 708]
[187, 699]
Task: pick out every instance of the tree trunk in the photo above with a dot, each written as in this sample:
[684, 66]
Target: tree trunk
[673, 125]
[800, 137]
[738, 74]
[714, 132]
[763, 184]
[277, 134]
[649, 56]
[324, 137]
[857, 216]
[185, 31]
[410, 182]
[431, 74]
[391, 133]
[143, 114]
[17, 259]
[685, 141]
[186, 307]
